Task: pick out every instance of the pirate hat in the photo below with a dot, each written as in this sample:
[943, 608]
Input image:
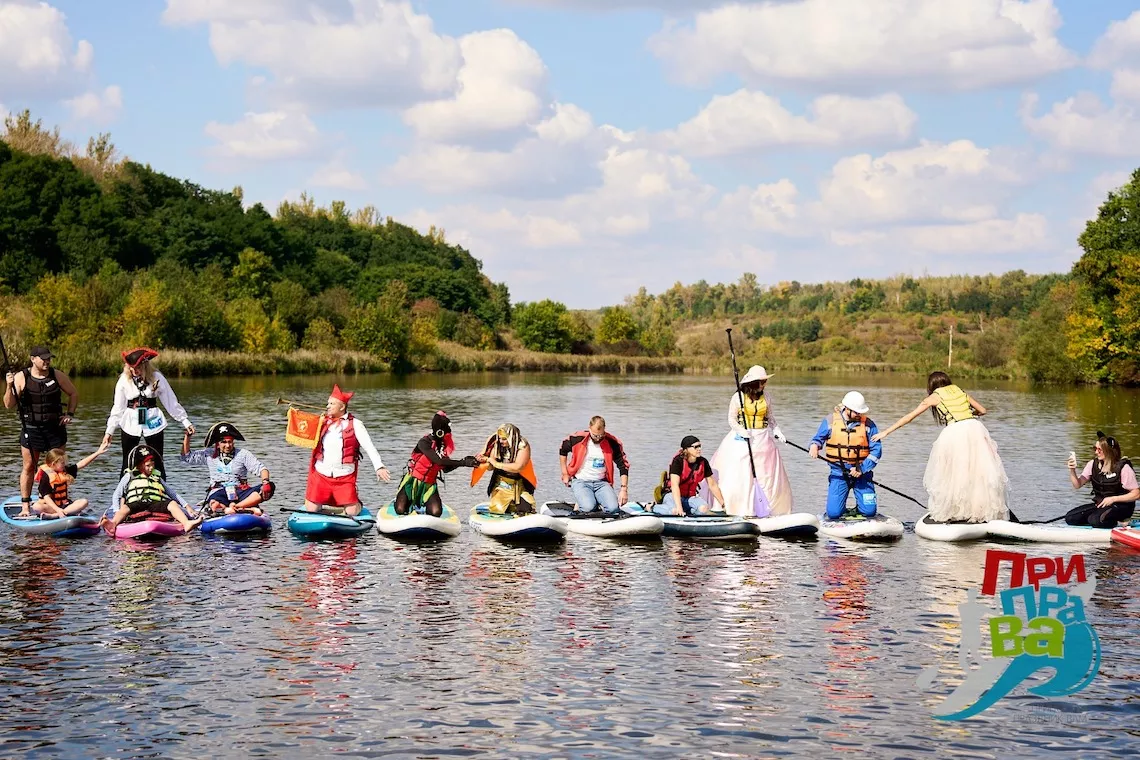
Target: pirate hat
[223, 430]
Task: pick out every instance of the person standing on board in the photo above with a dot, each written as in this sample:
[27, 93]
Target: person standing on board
[588, 458]
[845, 439]
[36, 392]
[135, 411]
[752, 422]
[333, 466]
[964, 477]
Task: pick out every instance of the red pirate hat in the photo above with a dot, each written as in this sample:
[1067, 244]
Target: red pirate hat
[137, 356]
[340, 395]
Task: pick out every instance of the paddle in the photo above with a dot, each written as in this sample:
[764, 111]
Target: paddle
[326, 514]
[7, 369]
[758, 505]
[1012, 516]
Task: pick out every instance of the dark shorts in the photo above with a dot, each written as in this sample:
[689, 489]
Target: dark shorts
[43, 438]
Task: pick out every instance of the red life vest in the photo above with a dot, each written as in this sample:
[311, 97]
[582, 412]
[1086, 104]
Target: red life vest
[691, 477]
[350, 453]
[577, 456]
[420, 465]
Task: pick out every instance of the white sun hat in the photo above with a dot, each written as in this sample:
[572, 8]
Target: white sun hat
[756, 372]
[855, 402]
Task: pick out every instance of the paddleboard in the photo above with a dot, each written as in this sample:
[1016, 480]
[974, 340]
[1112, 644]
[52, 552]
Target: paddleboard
[794, 525]
[322, 525]
[717, 527]
[878, 528]
[1051, 533]
[75, 526]
[532, 528]
[237, 523]
[601, 525]
[146, 528]
[1127, 536]
[418, 525]
[955, 531]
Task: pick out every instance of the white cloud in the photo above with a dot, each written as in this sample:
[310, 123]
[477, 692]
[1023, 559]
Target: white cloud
[37, 55]
[1021, 233]
[932, 182]
[770, 207]
[268, 136]
[335, 175]
[499, 90]
[560, 157]
[374, 53]
[669, 6]
[97, 107]
[1119, 45]
[1084, 124]
[750, 121]
[840, 44]
[1126, 85]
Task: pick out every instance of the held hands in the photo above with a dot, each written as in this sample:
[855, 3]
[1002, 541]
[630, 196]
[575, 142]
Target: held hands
[107, 439]
[382, 474]
[103, 447]
[190, 430]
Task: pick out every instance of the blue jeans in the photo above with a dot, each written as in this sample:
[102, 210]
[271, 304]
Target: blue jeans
[839, 485]
[590, 494]
[692, 505]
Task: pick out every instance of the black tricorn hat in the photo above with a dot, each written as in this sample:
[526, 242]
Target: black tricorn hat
[137, 356]
[223, 430]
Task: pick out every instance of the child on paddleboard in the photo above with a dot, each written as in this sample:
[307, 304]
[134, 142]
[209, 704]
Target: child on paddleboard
[847, 439]
[142, 494]
[53, 479]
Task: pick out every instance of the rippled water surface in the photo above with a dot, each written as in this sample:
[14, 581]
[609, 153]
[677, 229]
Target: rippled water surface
[204, 647]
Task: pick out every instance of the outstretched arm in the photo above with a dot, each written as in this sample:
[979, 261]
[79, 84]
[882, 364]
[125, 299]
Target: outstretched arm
[978, 408]
[927, 402]
[92, 457]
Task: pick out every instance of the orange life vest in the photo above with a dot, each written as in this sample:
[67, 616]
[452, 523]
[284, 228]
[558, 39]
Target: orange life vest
[58, 481]
[844, 446]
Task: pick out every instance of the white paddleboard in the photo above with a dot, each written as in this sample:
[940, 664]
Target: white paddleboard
[621, 525]
[515, 528]
[936, 531]
[1051, 533]
[794, 525]
[878, 528]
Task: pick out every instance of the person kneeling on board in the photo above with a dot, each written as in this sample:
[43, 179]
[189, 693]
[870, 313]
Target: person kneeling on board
[229, 469]
[513, 481]
[1114, 486]
[845, 439]
[142, 494]
[680, 489]
[588, 459]
[430, 458]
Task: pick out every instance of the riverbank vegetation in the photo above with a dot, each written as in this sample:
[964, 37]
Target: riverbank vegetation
[98, 253]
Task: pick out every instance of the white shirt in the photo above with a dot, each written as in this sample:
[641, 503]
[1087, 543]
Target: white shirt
[594, 468]
[332, 449]
[128, 419]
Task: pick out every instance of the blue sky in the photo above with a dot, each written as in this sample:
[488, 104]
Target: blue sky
[583, 148]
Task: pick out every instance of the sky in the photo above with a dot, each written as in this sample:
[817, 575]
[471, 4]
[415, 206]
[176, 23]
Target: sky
[582, 149]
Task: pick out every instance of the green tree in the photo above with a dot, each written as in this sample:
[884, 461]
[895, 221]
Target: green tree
[320, 335]
[1042, 347]
[617, 325]
[543, 326]
[252, 276]
[382, 328]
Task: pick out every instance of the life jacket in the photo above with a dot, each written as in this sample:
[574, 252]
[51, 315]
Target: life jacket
[753, 415]
[41, 400]
[350, 451]
[144, 489]
[953, 405]
[577, 456]
[691, 476]
[420, 465]
[58, 481]
[1106, 484]
[847, 447]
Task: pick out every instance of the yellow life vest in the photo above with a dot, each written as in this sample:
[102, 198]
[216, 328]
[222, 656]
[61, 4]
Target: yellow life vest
[752, 416]
[953, 405]
[843, 446]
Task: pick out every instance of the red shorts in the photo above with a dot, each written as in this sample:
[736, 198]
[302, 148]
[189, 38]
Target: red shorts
[331, 492]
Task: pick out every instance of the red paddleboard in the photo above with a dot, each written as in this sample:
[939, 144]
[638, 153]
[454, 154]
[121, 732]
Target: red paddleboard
[1127, 536]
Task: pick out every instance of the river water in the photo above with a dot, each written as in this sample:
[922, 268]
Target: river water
[200, 647]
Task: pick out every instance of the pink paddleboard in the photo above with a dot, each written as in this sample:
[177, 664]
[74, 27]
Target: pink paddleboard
[1127, 536]
[148, 528]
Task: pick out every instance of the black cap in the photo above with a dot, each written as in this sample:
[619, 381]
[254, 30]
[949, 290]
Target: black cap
[43, 352]
[689, 440]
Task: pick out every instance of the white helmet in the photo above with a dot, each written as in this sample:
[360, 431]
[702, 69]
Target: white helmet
[855, 402]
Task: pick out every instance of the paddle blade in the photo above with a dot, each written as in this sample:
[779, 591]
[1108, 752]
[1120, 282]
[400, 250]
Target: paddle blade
[760, 505]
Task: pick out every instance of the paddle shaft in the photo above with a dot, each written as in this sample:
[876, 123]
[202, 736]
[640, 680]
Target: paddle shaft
[281, 401]
[740, 395]
[7, 369]
[880, 485]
